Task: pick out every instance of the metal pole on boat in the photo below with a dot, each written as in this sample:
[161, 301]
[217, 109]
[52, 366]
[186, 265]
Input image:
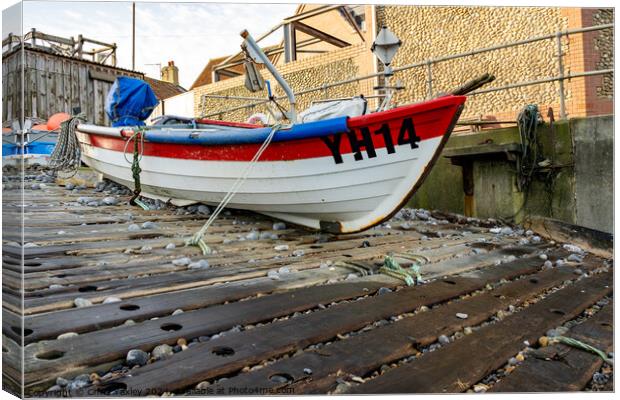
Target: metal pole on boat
[256, 53]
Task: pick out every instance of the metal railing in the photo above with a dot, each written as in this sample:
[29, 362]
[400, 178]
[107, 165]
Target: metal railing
[429, 63]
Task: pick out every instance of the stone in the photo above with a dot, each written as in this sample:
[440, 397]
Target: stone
[298, 253]
[572, 248]
[93, 204]
[177, 311]
[111, 299]
[55, 286]
[181, 261]
[129, 322]
[283, 270]
[480, 388]
[462, 315]
[82, 302]
[548, 264]
[136, 357]
[202, 385]
[171, 246]
[253, 235]
[467, 330]
[110, 201]
[575, 258]
[384, 290]
[543, 257]
[281, 247]
[506, 231]
[133, 228]
[62, 382]
[149, 225]
[35, 186]
[578, 271]
[559, 262]
[203, 209]
[162, 351]
[273, 275]
[307, 371]
[443, 339]
[536, 239]
[279, 226]
[67, 335]
[202, 264]
[69, 186]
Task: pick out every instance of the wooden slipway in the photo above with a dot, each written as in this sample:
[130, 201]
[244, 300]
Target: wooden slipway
[327, 322]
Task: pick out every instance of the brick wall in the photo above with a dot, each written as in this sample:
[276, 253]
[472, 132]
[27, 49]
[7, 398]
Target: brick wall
[430, 32]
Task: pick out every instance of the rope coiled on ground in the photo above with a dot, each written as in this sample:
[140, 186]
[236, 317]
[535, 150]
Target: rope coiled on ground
[66, 157]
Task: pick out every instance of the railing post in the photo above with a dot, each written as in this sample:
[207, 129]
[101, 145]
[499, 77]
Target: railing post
[429, 78]
[559, 55]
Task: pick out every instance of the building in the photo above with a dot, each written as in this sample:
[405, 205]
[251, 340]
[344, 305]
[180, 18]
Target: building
[341, 50]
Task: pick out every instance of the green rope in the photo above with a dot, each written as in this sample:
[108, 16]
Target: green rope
[582, 346]
[392, 268]
[135, 168]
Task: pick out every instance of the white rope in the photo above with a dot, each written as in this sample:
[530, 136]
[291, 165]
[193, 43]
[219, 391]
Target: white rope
[66, 156]
[197, 238]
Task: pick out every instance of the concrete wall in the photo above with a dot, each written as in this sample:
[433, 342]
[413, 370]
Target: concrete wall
[594, 172]
[577, 188]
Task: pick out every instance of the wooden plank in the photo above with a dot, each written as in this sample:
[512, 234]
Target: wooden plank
[560, 368]
[285, 336]
[486, 350]
[92, 349]
[360, 355]
[101, 316]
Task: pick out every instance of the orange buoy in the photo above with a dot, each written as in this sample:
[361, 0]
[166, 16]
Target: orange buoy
[40, 127]
[54, 121]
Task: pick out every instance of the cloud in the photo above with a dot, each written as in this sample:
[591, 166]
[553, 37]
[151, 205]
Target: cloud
[188, 33]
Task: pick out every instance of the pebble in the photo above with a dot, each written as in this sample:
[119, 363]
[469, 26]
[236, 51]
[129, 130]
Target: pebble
[149, 225]
[202, 385]
[543, 257]
[575, 258]
[572, 248]
[253, 235]
[462, 315]
[529, 233]
[111, 299]
[62, 382]
[273, 275]
[202, 264]
[506, 231]
[177, 312]
[54, 388]
[279, 226]
[384, 290]
[559, 262]
[281, 247]
[162, 351]
[69, 186]
[133, 228]
[467, 330]
[129, 322]
[283, 270]
[578, 271]
[67, 335]
[443, 339]
[536, 239]
[171, 246]
[136, 357]
[202, 209]
[350, 276]
[307, 371]
[480, 388]
[55, 286]
[513, 361]
[93, 204]
[548, 264]
[35, 186]
[181, 261]
[110, 201]
[298, 253]
[81, 302]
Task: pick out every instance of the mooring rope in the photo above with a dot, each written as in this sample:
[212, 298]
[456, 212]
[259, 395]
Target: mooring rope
[66, 157]
[392, 268]
[196, 240]
[138, 149]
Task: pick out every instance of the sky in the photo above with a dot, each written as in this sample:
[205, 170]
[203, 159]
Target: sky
[188, 33]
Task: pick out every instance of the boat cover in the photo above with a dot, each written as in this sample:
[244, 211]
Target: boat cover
[129, 102]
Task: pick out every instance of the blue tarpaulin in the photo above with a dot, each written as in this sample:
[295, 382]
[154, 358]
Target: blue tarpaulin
[130, 101]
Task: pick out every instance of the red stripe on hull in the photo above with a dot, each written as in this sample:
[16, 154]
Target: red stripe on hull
[429, 122]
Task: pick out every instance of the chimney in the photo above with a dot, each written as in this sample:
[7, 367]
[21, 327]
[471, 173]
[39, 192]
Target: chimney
[170, 73]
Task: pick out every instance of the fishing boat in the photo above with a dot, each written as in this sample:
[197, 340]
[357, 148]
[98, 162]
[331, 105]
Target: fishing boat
[341, 174]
